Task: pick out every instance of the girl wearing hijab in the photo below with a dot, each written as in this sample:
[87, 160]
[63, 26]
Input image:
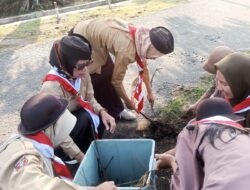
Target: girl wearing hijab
[233, 80]
[128, 44]
[212, 151]
[69, 79]
[215, 56]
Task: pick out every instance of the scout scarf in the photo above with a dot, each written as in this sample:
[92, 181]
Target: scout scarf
[44, 145]
[242, 106]
[137, 92]
[217, 120]
[140, 35]
[53, 75]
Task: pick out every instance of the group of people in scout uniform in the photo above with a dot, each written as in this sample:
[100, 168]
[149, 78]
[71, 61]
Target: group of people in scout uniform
[212, 151]
[81, 97]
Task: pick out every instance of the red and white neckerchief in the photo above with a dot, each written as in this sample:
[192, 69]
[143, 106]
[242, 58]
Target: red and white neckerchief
[44, 145]
[53, 75]
[217, 120]
[137, 92]
[242, 106]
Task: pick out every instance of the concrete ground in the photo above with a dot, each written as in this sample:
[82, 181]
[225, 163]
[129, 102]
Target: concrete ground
[197, 25]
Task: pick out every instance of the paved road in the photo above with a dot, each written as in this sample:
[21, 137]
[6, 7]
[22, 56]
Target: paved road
[197, 25]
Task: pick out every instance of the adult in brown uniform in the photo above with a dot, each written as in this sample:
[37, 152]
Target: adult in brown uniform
[127, 44]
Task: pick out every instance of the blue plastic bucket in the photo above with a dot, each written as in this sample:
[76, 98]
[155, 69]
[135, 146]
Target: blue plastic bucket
[123, 161]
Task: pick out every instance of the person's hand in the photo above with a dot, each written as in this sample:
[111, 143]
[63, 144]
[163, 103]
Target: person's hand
[189, 111]
[191, 108]
[130, 105]
[165, 161]
[151, 99]
[170, 151]
[79, 157]
[108, 185]
[108, 121]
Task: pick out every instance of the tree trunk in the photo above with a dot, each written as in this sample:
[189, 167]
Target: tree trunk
[35, 5]
[25, 5]
[109, 3]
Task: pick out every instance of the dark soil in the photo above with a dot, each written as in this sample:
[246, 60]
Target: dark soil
[165, 136]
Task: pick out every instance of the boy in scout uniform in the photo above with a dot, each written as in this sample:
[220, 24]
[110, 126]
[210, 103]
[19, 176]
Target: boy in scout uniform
[27, 161]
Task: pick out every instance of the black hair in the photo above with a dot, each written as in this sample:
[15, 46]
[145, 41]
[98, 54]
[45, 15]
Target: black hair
[214, 132]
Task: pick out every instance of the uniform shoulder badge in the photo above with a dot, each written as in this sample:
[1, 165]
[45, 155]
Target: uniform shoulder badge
[23, 161]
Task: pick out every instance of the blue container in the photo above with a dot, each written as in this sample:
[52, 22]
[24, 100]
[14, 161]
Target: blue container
[121, 160]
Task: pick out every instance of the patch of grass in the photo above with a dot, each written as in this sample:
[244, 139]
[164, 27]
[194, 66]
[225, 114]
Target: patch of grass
[173, 110]
[133, 8]
[20, 31]
[47, 29]
[192, 94]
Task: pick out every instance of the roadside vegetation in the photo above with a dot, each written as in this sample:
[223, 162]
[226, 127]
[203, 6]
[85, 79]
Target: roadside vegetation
[45, 29]
[174, 113]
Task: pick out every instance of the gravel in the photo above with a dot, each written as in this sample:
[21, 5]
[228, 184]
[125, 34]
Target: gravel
[197, 25]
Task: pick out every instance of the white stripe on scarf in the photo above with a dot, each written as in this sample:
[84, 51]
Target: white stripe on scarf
[47, 151]
[76, 86]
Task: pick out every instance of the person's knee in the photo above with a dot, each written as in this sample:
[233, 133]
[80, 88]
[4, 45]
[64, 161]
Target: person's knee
[83, 118]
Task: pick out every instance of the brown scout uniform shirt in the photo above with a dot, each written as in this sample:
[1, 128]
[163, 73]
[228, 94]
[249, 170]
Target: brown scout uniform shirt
[106, 39]
[86, 90]
[22, 167]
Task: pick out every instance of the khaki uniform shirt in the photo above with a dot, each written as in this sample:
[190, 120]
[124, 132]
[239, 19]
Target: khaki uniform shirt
[86, 90]
[106, 39]
[22, 167]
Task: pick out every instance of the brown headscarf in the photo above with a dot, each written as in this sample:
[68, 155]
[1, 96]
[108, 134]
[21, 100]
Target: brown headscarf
[236, 70]
[215, 56]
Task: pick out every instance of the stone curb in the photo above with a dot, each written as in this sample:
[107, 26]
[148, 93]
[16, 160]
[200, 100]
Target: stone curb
[53, 12]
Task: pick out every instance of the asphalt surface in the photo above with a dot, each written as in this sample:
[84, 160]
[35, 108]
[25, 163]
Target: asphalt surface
[197, 25]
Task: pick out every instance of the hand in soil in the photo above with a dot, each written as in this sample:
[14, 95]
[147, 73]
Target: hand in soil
[165, 161]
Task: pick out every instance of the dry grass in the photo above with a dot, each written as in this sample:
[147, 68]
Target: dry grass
[40, 30]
